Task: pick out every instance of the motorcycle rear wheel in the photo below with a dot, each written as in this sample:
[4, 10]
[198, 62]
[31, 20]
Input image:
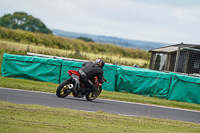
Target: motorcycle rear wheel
[90, 96]
[63, 89]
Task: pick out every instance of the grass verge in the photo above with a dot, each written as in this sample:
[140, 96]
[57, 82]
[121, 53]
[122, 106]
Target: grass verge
[51, 87]
[38, 118]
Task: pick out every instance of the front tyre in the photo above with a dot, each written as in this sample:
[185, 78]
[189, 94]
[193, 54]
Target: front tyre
[91, 96]
[64, 89]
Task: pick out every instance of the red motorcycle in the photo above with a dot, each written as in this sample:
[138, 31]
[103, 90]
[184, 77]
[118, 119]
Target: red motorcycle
[73, 84]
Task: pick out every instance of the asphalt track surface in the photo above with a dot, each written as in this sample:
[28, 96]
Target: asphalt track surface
[111, 106]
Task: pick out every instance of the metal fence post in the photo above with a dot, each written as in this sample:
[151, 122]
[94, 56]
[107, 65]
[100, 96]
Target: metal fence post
[177, 59]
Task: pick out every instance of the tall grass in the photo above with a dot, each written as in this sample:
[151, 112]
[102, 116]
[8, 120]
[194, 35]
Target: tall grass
[20, 48]
[70, 44]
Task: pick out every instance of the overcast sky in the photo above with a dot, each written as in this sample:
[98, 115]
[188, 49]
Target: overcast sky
[167, 21]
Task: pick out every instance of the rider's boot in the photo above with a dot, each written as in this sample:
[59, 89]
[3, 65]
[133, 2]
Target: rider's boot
[83, 91]
[80, 91]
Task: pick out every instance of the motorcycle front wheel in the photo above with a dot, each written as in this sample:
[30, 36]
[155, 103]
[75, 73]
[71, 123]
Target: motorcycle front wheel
[64, 89]
[91, 96]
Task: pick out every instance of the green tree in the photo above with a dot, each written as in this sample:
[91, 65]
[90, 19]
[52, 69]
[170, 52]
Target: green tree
[23, 21]
[85, 39]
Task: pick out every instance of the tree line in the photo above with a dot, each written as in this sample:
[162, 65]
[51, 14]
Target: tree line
[23, 21]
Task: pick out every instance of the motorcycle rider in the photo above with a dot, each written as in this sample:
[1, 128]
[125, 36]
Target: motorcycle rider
[87, 72]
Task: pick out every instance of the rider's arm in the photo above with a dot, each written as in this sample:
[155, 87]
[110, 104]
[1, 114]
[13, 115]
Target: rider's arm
[87, 63]
[84, 64]
[100, 77]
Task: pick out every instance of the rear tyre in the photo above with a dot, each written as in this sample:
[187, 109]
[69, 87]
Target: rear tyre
[64, 89]
[91, 96]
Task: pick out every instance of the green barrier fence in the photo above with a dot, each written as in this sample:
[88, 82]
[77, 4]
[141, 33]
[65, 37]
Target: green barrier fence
[69, 65]
[185, 88]
[109, 74]
[143, 81]
[121, 78]
[31, 67]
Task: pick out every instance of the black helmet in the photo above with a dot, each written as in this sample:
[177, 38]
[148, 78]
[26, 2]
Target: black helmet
[100, 62]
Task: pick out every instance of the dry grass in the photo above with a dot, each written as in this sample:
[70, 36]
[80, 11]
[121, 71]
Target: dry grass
[18, 48]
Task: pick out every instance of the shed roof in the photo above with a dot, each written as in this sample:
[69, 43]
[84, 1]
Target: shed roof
[174, 48]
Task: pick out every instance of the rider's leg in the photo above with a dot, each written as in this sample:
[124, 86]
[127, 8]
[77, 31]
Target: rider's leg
[90, 87]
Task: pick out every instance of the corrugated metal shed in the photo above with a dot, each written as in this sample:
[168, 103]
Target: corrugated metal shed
[174, 48]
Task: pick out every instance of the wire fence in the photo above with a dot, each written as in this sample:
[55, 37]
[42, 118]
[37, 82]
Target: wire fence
[188, 61]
